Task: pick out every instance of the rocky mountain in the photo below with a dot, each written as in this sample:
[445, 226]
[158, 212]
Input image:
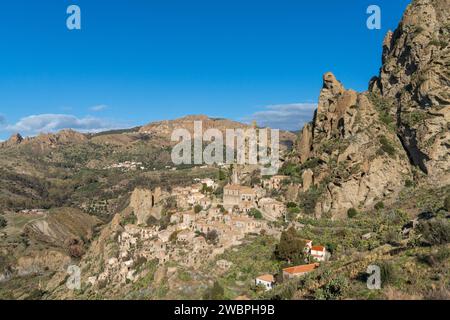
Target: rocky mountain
[415, 77]
[364, 146]
[353, 157]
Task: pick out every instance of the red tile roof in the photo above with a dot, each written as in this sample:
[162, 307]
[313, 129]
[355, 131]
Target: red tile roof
[302, 268]
[318, 248]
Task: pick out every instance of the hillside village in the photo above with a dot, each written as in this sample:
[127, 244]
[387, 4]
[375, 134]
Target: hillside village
[201, 226]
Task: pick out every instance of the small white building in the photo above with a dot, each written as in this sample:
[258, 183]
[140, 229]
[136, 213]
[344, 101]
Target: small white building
[319, 252]
[266, 281]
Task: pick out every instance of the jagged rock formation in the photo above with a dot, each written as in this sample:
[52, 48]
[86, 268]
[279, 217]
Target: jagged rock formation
[15, 139]
[359, 144]
[355, 158]
[415, 75]
[46, 141]
[146, 203]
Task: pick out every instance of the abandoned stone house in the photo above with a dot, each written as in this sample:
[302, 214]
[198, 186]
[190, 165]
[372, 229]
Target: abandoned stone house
[236, 196]
[271, 208]
[274, 182]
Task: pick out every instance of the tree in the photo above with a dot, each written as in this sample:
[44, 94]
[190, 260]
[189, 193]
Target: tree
[221, 175]
[352, 212]
[291, 247]
[206, 189]
[212, 236]
[198, 208]
[255, 213]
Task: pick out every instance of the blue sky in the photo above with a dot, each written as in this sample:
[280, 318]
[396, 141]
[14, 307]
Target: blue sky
[136, 61]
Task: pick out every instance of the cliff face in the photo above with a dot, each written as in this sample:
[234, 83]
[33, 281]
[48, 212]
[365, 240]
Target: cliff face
[354, 158]
[363, 147]
[416, 75]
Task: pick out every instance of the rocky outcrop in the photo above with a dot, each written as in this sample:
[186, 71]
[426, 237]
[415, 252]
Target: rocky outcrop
[63, 228]
[361, 146]
[46, 141]
[40, 261]
[14, 140]
[146, 203]
[352, 157]
[415, 75]
[308, 179]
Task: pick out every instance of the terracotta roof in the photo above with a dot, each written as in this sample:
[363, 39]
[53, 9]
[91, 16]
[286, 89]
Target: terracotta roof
[301, 268]
[266, 277]
[318, 248]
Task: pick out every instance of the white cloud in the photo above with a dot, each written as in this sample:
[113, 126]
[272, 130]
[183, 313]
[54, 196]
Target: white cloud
[99, 107]
[284, 116]
[35, 124]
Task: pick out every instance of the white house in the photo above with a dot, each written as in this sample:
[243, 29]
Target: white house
[318, 252]
[265, 280]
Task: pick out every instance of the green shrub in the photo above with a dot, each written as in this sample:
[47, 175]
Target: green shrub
[3, 222]
[386, 146]
[333, 290]
[173, 236]
[388, 273]
[198, 208]
[435, 231]
[255, 213]
[309, 199]
[289, 169]
[352, 212]
[436, 258]
[447, 203]
[384, 106]
[291, 205]
[409, 183]
[310, 164]
[392, 237]
[128, 219]
[184, 276]
[379, 205]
